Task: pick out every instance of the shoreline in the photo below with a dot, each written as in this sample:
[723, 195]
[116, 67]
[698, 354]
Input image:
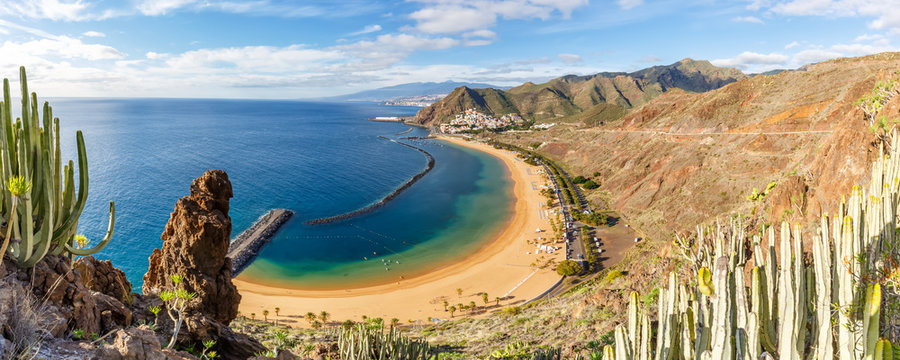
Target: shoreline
[387, 198]
[244, 248]
[502, 265]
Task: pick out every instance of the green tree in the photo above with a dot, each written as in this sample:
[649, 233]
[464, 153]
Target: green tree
[265, 315]
[459, 292]
[484, 297]
[452, 310]
[590, 185]
[324, 315]
[579, 179]
[568, 268]
[310, 317]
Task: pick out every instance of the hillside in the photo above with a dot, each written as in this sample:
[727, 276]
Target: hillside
[605, 95]
[685, 158]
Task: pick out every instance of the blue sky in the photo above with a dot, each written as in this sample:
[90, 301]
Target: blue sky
[300, 49]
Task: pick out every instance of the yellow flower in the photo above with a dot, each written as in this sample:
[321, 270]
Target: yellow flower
[18, 186]
[82, 241]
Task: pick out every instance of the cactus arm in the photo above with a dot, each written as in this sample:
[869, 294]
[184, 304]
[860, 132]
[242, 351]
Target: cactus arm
[871, 317]
[72, 219]
[104, 241]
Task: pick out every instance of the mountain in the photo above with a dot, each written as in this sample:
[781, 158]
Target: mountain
[685, 160]
[606, 95]
[406, 90]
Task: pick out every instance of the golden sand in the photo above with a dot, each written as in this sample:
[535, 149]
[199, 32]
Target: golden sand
[500, 267]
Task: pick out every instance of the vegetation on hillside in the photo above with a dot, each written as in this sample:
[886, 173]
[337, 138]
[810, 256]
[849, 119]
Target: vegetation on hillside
[39, 196]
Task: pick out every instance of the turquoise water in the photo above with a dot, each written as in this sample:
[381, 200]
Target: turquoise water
[318, 159]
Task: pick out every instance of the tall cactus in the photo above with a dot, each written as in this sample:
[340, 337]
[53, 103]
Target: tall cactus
[829, 308]
[47, 214]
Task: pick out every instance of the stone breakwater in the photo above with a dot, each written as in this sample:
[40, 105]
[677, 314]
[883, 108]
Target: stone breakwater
[246, 246]
[385, 199]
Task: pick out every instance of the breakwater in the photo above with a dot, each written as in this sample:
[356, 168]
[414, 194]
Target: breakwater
[405, 132]
[385, 199]
[246, 246]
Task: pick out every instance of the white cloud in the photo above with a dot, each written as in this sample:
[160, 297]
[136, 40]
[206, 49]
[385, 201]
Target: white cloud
[65, 10]
[813, 56]
[792, 45]
[459, 16]
[867, 37]
[93, 34]
[161, 7]
[156, 56]
[61, 47]
[749, 19]
[569, 58]
[366, 30]
[630, 4]
[748, 58]
[886, 13]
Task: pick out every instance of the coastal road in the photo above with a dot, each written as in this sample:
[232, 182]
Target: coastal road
[574, 245]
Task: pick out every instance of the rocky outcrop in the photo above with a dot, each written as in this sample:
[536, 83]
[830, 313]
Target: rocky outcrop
[103, 277]
[195, 245]
[67, 300]
[138, 343]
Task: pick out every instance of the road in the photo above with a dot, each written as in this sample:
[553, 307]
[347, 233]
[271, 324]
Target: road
[574, 245]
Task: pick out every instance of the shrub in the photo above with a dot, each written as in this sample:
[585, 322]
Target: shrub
[613, 275]
[579, 179]
[568, 268]
[590, 185]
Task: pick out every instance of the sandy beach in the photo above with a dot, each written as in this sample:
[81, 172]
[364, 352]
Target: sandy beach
[502, 267]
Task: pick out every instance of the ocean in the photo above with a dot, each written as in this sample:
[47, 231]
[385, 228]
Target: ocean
[317, 159]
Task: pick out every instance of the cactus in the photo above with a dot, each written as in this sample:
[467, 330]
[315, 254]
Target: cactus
[46, 215]
[364, 342]
[789, 312]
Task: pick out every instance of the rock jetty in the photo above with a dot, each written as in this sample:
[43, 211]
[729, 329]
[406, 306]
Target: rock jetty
[246, 246]
[385, 199]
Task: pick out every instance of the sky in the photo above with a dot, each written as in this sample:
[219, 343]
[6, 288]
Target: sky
[283, 49]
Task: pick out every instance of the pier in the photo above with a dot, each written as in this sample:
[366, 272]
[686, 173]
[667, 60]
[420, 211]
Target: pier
[385, 199]
[246, 246]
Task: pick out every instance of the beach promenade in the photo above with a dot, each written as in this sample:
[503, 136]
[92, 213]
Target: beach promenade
[503, 266]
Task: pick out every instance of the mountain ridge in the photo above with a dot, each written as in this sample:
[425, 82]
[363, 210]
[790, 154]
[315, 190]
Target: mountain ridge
[612, 93]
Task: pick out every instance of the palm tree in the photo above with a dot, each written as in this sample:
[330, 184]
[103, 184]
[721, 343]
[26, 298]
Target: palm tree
[446, 304]
[277, 309]
[472, 305]
[324, 317]
[316, 324]
[395, 322]
[497, 299]
[484, 297]
[459, 292]
[310, 317]
[266, 315]
[452, 310]
[253, 316]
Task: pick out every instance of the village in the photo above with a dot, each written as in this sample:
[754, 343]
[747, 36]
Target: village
[472, 120]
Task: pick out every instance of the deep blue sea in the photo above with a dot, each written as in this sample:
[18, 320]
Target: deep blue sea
[318, 159]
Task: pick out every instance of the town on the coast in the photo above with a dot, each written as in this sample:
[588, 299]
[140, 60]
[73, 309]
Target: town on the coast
[472, 120]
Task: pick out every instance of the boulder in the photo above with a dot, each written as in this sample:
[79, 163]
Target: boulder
[138, 343]
[103, 277]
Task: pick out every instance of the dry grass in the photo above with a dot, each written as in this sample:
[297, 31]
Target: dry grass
[26, 327]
